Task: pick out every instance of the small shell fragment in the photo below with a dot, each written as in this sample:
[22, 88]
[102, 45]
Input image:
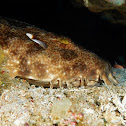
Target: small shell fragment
[42, 44]
[29, 35]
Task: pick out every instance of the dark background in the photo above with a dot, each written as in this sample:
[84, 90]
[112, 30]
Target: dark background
[90, 30]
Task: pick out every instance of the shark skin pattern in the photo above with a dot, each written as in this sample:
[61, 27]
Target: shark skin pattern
[48, 60]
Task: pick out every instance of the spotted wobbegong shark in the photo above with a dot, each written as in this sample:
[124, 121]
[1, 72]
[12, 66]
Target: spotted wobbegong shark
[48, 60]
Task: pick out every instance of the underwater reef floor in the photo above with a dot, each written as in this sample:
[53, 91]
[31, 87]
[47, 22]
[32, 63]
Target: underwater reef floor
[23, 104]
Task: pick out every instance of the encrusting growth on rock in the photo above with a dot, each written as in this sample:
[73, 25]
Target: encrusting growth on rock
[45, 59]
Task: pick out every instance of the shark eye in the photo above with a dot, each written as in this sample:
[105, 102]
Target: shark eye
[42, 44]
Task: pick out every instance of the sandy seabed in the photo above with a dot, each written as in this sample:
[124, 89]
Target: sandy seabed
[26, 105]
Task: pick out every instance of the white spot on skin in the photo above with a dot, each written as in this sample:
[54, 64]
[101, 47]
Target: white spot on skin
[8, 64]
[16, 61]
[28, 62]
[39, 74]
[47, 71]
[14, 71]
[59, 66]
[64, 73]
[5, 51]
[35, 74]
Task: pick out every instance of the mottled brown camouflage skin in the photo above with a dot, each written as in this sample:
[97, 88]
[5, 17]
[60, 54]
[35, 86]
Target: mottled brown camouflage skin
[59, 64]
